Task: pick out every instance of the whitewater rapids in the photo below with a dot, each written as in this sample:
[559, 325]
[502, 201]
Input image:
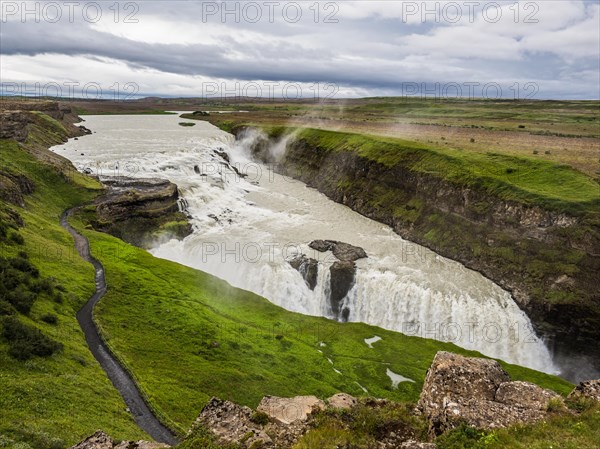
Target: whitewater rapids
[247, 228]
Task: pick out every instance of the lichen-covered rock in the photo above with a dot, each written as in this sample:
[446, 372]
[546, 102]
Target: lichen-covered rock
[98, 440]
[525, 395]
[101, 440]
[417, 445]
[290, 410]
[589, 389]
[342, 400]
[478, 392]
[140, 445]
[452, 375]
[232, 424]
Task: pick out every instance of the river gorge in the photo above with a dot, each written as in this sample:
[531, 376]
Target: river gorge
[249, 223]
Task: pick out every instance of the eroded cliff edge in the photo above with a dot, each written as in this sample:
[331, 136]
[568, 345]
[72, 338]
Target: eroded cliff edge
[138, 211]
[548, 258]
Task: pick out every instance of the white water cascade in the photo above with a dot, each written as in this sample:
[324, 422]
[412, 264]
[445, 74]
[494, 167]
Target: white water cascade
[246, 230]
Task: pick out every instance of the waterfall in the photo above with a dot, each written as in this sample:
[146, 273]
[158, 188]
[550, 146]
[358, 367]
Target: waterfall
[248, 228]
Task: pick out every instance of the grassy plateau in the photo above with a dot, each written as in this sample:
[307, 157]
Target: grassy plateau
[187, 336]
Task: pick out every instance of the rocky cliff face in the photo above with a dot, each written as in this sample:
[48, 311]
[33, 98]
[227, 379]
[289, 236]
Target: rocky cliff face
[140, 211]
[13, 187]
[549, 260]
[18, 117]
[137, 211]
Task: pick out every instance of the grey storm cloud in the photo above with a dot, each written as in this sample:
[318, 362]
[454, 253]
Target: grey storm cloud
[265, 61]
[369, 47]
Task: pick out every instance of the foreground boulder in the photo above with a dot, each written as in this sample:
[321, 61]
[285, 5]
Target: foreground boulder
[278, 422]
[290, 410]
[479, 393]
[233, 424]
[589, 389]
[101, 440]
[342, 401]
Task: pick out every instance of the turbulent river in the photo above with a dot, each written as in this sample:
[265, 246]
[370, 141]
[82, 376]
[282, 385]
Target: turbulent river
[246, 229]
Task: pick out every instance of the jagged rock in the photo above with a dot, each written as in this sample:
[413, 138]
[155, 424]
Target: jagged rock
[341, 281]
[140, 445]
[223, 155]
[134, 208]
[321, 245]
[485, 415]
[290, 410]
[13, 187]
[589, 389]
[98, 440]
[101, 440]
[342, 400]
[416, 445]
[308, 268]
[232, 424]
[453, 375]
[342, 271]
[343, 251]
[346, 252]
[477, 392]
[525, 395]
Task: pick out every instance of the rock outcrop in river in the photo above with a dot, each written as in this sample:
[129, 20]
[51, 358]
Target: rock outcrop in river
[140, 211]
[342, 271]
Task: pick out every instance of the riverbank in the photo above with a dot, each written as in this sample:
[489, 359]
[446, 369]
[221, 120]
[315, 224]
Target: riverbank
[118, 374]
[532, 227]
[156, 311]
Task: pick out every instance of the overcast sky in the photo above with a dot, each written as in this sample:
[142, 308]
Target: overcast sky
[541, 49]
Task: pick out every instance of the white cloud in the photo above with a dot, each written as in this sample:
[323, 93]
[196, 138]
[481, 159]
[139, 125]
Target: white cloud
[172, 51]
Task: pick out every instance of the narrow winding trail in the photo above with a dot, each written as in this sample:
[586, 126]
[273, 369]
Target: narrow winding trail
[142, 414]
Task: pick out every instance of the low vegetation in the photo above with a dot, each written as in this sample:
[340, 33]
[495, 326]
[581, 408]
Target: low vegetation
[564, 430]
[363, 425]
[54, 393]
[520, 179]
[184, 335]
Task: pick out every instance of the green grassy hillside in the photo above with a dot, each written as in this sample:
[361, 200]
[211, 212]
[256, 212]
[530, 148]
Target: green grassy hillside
[185, 335]
[188, 336]
[53, 402]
